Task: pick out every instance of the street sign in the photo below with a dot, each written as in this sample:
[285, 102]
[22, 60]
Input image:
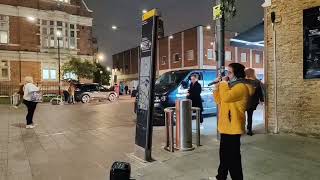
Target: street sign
[217, 12]
[146, 82]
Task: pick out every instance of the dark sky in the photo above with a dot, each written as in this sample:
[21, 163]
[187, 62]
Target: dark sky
[177, 14]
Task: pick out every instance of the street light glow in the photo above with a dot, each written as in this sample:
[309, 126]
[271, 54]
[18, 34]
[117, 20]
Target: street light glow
[208, 27]
[114, 27]
[59, 33]
[31, 18]
[108, 69]
[100, 57]
[171, 37]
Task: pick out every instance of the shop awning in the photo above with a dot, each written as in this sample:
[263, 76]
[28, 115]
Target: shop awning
[253, 38]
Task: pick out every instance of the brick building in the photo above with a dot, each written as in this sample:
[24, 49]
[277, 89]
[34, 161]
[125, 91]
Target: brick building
[29, 40]
[298, 99]
[190, 49]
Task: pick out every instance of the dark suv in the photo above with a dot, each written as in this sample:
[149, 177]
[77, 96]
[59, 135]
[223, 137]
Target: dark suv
[86, 92]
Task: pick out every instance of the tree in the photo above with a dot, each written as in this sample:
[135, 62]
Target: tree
[229, 9]
[82, 69]
[101, 75]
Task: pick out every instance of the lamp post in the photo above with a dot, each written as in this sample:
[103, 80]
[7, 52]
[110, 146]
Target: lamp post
[59, 34]
[101, 72]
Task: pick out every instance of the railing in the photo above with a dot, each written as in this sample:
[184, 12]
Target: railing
[49, 91]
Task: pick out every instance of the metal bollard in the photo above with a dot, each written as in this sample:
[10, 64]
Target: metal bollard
[184, 125]
[169, 121]
[198, 111]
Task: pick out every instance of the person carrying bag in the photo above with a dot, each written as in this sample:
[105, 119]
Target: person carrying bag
[32, 96]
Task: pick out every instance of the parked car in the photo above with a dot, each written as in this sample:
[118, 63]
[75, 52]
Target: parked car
[86, 92]
[174, 85]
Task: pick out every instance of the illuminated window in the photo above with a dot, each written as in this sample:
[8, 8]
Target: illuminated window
[68, 38]
[210, 54]
[243, 57]
[4, 68]
[4, 29]
[228, 56]
[257, 57]
[190, 55]
[49, 71]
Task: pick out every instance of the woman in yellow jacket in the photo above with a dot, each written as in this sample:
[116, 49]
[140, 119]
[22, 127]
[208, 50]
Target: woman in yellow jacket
[232, 95]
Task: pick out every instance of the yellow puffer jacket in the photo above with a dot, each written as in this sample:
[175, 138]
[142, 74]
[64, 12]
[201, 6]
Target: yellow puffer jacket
[232, 103]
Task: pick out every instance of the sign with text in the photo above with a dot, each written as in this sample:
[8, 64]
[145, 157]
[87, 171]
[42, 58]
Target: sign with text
[311, 51]
[146, 82]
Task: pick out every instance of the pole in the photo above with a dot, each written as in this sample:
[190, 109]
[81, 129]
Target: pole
[59, 60]
[220, 45]
[276, 130]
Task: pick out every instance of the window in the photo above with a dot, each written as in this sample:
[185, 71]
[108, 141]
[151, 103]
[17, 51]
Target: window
[190, 55]
[49, 36]
[49, 71]
[163, 60]
[243, 57]
[4, 67]
[4, 29]
[176, 57]
[257, 57]
[210, 54]
[228, 56]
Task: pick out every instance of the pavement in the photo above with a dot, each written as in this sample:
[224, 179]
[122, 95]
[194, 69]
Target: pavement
[80, 142]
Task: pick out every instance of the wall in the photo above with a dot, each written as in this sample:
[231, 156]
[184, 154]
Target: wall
[298, 99]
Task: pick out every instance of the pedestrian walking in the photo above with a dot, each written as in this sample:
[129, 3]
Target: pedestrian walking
[126, 89]
[29, 100]
[255, 99]
[71, 91]
[194, 94]
[232, 95]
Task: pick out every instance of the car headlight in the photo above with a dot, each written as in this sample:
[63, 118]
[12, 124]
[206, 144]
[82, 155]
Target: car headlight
[163, 98]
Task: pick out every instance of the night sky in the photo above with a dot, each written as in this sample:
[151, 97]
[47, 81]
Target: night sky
[177, 14]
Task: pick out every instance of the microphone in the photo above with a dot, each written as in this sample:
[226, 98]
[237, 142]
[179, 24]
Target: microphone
[212, 83]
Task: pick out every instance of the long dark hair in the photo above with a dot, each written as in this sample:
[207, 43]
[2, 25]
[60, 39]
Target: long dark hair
[238, 70]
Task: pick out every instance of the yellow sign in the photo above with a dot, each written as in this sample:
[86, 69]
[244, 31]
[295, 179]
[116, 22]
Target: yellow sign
[149, 14]
[217, 12]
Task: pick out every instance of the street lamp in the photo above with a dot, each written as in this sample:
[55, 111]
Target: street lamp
[101, 72]
[59, 35]
[208, 27]
[100, 57]
[31, 18]
[171, 37]
[114, 27]
[108, 69]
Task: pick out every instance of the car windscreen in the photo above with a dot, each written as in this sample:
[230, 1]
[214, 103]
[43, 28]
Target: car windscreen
[172, 78]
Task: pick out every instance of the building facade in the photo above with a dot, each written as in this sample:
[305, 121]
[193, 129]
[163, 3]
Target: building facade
[190, 49]
[293, 102]
[29, 34]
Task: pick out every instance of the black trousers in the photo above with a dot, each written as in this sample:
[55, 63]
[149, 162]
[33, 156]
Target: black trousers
[230, 157]
[249, 119]
[31, 106]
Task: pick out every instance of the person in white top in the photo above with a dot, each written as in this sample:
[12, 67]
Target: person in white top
[28, 88]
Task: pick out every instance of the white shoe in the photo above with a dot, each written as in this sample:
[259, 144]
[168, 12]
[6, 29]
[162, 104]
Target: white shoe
[16, 107]
[30, 126]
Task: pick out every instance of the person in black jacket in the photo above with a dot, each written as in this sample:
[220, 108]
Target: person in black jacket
[194, 94]
[255, 99]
